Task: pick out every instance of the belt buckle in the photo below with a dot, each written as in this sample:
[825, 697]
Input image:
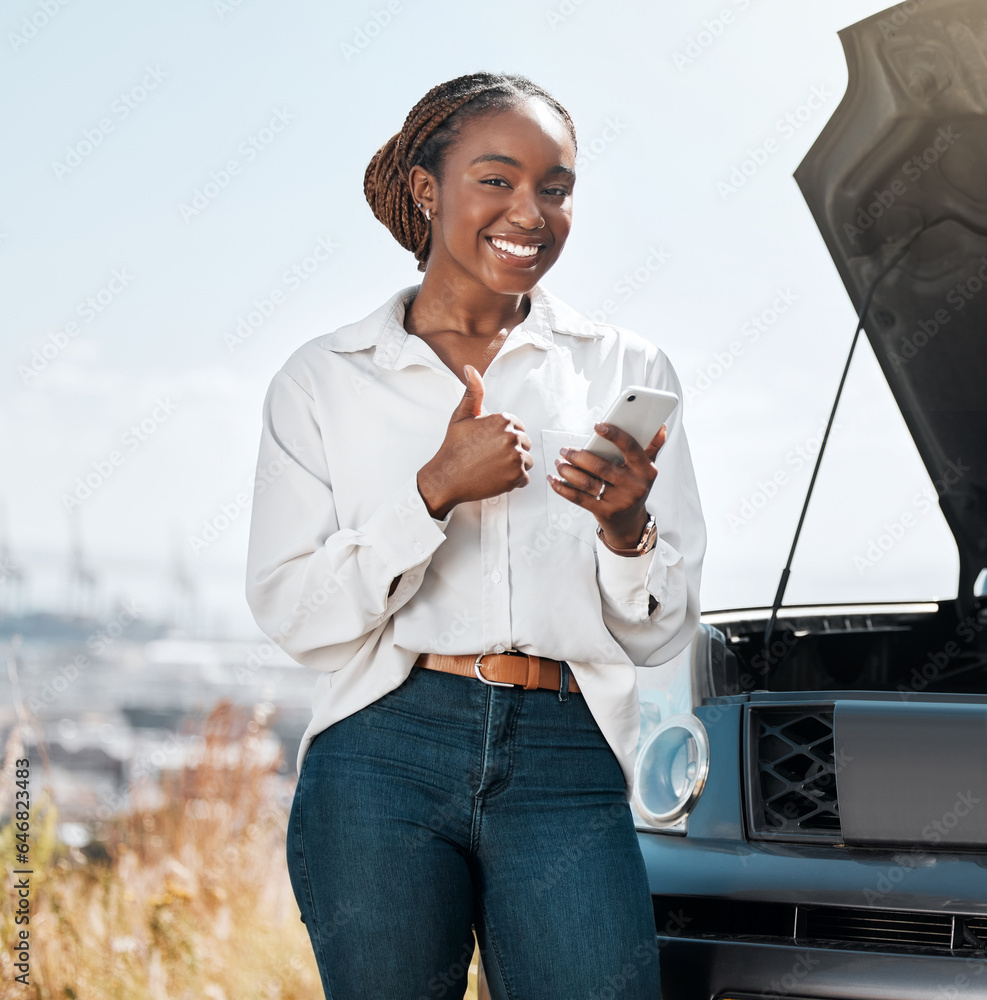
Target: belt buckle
[476, 670]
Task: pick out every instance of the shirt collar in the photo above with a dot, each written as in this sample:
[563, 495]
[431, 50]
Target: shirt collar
[384, 327]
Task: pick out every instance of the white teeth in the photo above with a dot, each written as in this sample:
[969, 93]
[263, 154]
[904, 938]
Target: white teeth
[514, 248]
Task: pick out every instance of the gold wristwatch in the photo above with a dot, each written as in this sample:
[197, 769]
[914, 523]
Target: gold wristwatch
[648, 539]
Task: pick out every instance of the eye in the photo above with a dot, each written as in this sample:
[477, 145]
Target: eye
[495, 181]
[558, 192]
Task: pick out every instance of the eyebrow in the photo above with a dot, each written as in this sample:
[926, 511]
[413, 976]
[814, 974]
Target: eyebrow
[511, 162]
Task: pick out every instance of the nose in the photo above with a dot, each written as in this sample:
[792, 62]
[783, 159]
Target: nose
[524, 212]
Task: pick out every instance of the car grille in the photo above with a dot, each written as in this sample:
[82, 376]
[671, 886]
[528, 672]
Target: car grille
[791, 773]
[905, 931]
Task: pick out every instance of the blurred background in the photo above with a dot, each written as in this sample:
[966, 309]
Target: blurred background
[182, 208]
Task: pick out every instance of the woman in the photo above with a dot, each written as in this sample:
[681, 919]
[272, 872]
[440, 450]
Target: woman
[430, 544]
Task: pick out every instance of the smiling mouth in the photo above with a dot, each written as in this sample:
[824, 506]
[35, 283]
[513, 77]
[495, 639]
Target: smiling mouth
[519, 250]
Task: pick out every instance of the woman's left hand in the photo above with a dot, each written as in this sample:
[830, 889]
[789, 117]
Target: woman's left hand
[620, 512]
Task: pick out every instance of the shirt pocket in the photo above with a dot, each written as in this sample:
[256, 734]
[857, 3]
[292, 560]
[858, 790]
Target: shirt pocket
[562, 513]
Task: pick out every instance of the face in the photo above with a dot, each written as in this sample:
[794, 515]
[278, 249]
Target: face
[503, 208]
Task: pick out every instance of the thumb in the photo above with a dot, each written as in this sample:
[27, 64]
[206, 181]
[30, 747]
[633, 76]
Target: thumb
[472, 402]
[656, 443]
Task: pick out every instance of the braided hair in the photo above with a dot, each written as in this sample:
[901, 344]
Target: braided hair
[432, 125]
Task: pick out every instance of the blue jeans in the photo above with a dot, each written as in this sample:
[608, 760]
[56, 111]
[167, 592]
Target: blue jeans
[448, 804]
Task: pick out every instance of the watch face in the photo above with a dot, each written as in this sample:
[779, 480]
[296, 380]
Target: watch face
[650, 536]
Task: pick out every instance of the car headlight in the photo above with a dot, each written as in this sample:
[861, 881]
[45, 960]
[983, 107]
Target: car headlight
[671, 770]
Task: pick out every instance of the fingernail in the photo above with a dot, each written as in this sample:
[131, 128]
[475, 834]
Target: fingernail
[602, 428]
[564, 452]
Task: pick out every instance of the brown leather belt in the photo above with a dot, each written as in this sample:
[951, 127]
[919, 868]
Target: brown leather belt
[502, 669]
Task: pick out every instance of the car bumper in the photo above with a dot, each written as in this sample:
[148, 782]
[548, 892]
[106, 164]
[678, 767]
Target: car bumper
[703, 970]
[908, 879]
[741, 919]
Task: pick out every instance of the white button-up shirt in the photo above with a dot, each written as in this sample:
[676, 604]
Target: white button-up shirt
[337, 516]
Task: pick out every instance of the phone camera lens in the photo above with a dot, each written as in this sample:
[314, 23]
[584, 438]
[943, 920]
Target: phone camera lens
[631, 396]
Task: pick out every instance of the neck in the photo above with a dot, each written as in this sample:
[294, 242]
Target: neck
[444, 306]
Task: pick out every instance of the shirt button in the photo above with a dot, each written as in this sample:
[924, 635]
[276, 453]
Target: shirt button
[498, 648]
[495, 499]
[495, 576]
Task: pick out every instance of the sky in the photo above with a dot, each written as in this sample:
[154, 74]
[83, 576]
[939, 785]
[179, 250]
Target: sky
[183, 207]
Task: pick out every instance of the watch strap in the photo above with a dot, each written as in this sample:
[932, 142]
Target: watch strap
[649, 537]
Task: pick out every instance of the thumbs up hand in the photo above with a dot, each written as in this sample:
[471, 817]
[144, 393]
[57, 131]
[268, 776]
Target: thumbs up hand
[482, 455]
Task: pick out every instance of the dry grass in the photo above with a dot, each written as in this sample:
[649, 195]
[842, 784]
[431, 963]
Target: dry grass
[190, 900]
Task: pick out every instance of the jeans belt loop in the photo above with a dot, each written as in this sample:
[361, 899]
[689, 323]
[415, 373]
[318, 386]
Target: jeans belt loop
[563, 680]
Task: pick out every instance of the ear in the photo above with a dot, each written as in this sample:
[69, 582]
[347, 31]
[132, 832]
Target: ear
[424, 187]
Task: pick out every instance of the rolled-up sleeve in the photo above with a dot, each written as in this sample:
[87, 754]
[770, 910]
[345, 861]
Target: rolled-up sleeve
[671, 573]
[313, 586]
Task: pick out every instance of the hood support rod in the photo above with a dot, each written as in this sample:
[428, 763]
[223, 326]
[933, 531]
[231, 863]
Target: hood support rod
[868, 296]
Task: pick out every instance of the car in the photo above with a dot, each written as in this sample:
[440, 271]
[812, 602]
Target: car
[811, 783]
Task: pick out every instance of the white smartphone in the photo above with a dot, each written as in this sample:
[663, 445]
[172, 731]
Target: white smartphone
[638, 410]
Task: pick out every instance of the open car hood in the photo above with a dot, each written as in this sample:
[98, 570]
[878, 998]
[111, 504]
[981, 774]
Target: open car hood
[904, 158]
